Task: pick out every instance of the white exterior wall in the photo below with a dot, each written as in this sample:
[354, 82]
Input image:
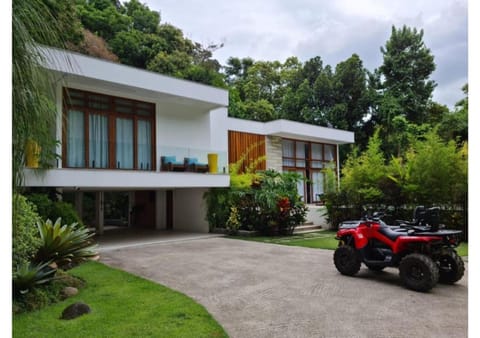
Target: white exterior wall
[189, 210]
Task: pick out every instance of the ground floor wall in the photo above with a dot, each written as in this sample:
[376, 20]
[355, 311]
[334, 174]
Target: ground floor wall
[173, 209]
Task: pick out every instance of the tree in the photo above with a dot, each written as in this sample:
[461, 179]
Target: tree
[454, 125]
[349, 90]
[407, 66]
[33, 110]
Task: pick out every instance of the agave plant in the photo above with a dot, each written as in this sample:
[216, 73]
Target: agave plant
[29, 275]
[64, 244]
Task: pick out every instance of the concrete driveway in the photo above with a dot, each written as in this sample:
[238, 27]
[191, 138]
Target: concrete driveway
[267, 290]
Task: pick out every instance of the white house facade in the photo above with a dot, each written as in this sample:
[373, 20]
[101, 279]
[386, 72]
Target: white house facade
[139, 149]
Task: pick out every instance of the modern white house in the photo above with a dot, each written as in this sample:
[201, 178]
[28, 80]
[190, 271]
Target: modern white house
[140, 149]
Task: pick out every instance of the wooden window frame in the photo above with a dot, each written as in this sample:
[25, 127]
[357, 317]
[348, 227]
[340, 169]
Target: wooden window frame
[308, 169]
[112, 114]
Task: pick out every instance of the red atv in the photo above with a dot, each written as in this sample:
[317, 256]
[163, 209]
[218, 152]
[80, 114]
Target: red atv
[424, 253]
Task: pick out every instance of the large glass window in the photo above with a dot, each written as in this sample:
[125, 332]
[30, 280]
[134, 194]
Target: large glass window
[308, 159]
[76, 139]
[102, 131]
[98, 141]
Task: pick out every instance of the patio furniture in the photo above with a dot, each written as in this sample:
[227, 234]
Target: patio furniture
[192, 164]
[170, 163]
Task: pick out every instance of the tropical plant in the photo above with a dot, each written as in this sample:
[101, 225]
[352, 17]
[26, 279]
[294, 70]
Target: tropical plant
[25, 238]
[32, 23]
[29, 275]
[64, 244]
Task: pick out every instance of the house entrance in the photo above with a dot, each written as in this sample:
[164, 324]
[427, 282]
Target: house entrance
[116, 208]
[143, 211]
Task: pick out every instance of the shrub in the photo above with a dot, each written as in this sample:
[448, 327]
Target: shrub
[25, 238]
[29, 275]
[45, 294]
[43, 204]
[49, 209]
[66, 212]
[65, 245]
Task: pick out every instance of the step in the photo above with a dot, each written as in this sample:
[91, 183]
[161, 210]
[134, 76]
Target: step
[306, 228]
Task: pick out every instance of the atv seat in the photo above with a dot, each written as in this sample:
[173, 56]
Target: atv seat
[391, 234]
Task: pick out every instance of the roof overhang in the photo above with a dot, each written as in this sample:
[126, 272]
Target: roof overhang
[90, 71]
[293, 130]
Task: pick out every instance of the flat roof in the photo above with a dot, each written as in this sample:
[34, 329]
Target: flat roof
[293, 130]
[83, 66]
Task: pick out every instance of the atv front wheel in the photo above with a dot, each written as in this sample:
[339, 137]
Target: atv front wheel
[346, 260]
[418, 272]
[451, 267]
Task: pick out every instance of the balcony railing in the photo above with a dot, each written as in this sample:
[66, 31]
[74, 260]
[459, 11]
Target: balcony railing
[181, 159]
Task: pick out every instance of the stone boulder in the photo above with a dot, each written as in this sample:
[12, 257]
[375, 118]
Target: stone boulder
[75, 310]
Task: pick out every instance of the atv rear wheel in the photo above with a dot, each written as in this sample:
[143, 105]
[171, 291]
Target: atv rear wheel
[418, 272]
[451, 267]
[346, 260]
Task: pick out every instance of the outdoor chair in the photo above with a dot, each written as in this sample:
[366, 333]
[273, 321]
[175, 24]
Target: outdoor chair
[170, 163]
[192, 164]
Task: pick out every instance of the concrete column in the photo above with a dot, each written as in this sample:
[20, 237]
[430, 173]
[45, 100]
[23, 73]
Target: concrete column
[99, 211]
[79, 203]
[160, 210]
[131, 204]
[274, 153]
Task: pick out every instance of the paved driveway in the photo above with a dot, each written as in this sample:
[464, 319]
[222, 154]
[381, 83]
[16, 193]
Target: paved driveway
[267, 290]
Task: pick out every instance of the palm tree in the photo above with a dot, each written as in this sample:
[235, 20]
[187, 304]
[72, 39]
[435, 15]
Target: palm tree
[33, 111]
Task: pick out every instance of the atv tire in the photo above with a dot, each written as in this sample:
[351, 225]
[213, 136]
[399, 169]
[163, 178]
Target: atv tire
[346, 260]
[418, 272]
[451, 267]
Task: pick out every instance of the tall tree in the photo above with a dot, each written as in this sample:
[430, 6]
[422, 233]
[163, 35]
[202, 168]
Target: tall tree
[33, 111]
[407, 66]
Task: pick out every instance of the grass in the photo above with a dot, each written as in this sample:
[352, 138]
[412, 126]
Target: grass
[324, 239]
[123, 305]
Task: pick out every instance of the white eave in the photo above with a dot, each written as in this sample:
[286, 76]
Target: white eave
[81, 66]
[293, 130]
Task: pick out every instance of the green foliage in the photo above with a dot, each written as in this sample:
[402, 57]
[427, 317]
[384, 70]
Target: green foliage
[270, 204]
[431, 172]
[48, 209]
[123, 305]
[65, 245]
[45, 294]
[218, 202]
[25, 239]
[28, 276]
[32, 22]
[66, 212]
[407, 66]
[362, 173]
[233, 222]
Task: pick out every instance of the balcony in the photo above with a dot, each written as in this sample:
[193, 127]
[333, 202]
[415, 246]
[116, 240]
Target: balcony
[101, 179]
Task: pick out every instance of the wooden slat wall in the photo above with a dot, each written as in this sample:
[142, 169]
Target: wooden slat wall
[238, 145]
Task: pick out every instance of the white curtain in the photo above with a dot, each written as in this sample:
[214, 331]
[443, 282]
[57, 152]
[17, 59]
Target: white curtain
[300, 153]
[144, 147]
[317, 155]
[98, 137]
[329, 152]
[75, 139]
[124, 143]
[317, 184]
[288, 151]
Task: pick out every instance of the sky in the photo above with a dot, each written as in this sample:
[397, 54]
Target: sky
[334, 30]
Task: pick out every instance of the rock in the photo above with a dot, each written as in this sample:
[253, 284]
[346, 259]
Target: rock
[75, 310]
[69, 291]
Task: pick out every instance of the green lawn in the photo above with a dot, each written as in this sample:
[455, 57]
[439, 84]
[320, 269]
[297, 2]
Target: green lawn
[324, 239]
[123, 305]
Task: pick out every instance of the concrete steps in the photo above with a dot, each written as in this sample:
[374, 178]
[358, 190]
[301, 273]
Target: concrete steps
[306, 228]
